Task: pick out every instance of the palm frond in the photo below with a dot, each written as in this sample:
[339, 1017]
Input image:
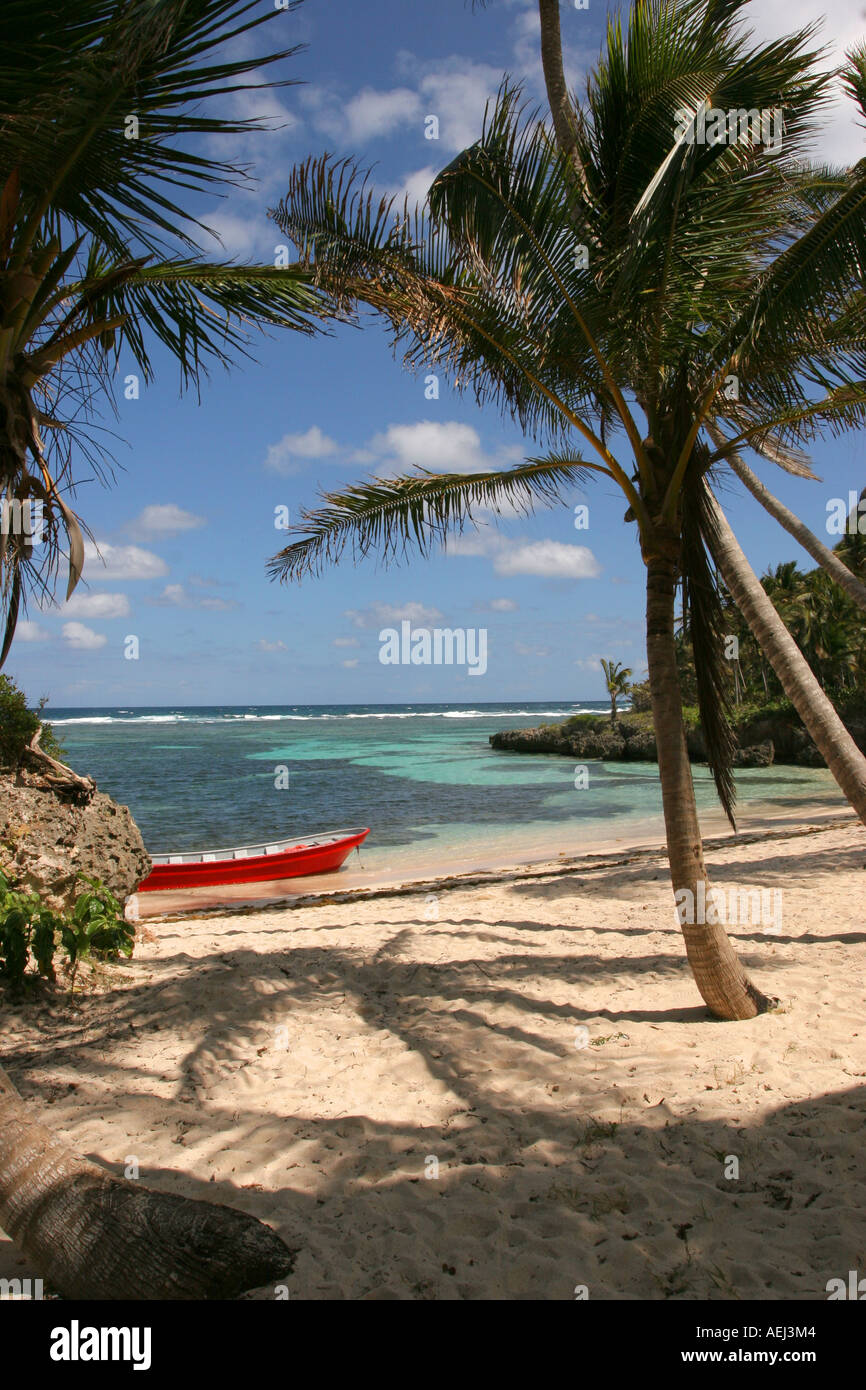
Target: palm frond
[71, 76]
[390, 516]
[200, 310]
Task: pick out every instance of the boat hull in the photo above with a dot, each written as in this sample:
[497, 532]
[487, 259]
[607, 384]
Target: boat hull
[295, 861]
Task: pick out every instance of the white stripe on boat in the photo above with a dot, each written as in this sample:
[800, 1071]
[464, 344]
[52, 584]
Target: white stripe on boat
[254, 851]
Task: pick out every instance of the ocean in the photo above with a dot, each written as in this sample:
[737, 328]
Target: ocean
[422, 777]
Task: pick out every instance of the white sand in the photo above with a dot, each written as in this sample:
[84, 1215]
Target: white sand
[302, 1063]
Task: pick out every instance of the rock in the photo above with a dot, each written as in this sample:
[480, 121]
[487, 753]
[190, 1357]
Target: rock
[767, 739]
[549, 738]
[640, 747]
[46, 839]
[759, 755]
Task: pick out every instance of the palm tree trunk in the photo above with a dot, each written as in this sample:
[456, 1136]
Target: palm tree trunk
[93, 1236]
[721, 979]
[554, 78]
[719, 975]
[826, 729]
[793, 525]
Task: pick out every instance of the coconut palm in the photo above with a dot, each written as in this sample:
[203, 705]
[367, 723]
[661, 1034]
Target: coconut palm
[104, 138]
[617, 682]
[830, 560]
[104, 134]
[827, 730]
[666, 274]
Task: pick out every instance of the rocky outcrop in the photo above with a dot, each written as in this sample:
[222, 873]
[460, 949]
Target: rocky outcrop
[627, 740]
[624, 741]
[761, 755]
[47, 838]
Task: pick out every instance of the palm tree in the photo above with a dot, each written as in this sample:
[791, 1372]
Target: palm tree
[643, 265]
[827, 730]
[101, 125]
[823, 620]
[801, 685]
[830, 560]
[94, 1236]
[555, 295]
[617, 680]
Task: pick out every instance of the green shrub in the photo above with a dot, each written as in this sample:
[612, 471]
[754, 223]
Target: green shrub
[96, 928]
[31, 933]
[640, 697]
[18, 724]
[26, 928]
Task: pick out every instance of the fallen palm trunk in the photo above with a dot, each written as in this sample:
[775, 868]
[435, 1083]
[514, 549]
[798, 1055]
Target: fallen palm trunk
[92, 1236]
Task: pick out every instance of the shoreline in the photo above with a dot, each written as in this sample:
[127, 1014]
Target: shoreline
[274, 896]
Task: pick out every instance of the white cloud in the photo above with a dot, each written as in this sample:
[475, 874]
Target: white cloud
[441, 447]
[371, 114]
[447, 447]
[176, 596]
[414, 186]
[164, 519]
[265, 148]
[113, 562]
[379, 615]
[28, 631]
[480, 540]
[263, 105]
[313, 444]
[456, 90]
[264, 646]
[83, 638]
[346, 642]
[844, 139]
[351, 663]
[496, 605]
[550, 559]
[97, 606]
[234, 237]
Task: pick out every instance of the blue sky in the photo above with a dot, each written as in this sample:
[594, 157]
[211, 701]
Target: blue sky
[188, 524]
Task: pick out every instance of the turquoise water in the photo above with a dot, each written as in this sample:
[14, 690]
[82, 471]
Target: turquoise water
[423, 777]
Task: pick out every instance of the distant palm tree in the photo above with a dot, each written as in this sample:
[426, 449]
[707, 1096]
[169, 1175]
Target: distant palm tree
[642, 267]
[101, 128]
[618, 681]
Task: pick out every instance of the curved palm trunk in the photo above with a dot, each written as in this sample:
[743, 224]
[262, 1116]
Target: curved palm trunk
[93, 1236]
[724, 985]
[554, 79]
[826, 729]
[825, 557]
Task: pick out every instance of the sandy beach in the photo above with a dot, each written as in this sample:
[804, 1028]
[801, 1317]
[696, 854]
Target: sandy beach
[500, 1089]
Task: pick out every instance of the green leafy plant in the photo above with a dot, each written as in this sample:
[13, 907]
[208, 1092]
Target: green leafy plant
[96, 928]
[18, 724]
[30, 933]
[27, 928]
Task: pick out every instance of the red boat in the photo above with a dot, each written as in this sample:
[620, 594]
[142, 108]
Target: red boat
[252, 863]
